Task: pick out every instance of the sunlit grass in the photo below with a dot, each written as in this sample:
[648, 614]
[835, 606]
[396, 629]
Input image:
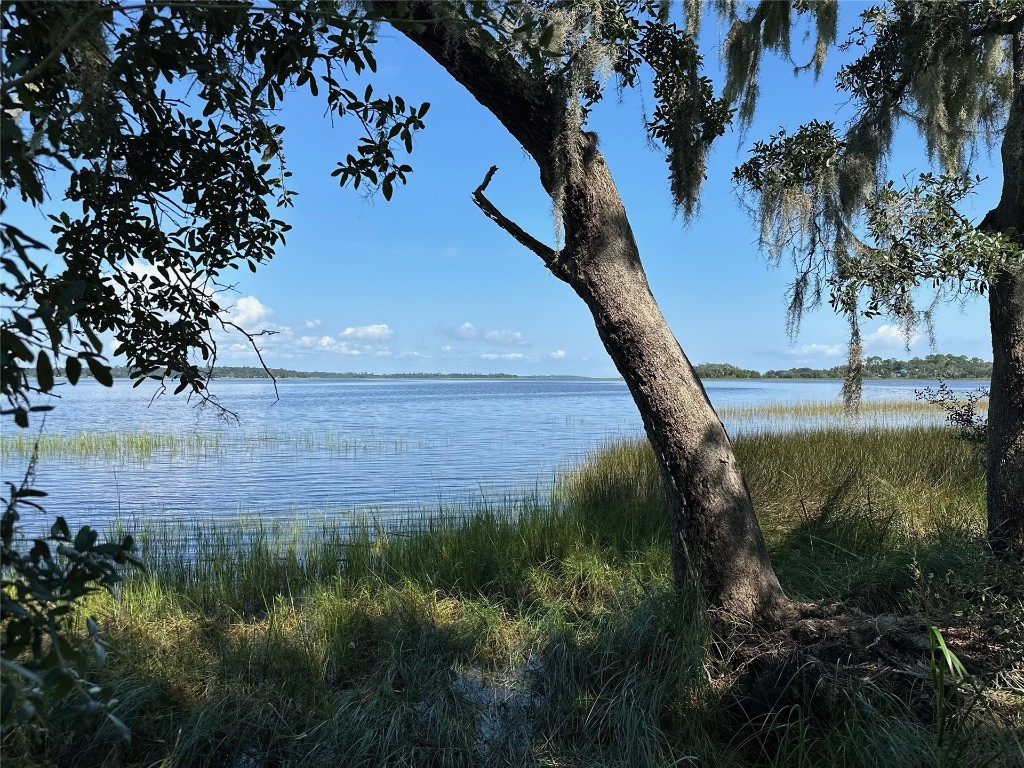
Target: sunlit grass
[144, 446]
[545, 631]
[109, 445]
[872, 415]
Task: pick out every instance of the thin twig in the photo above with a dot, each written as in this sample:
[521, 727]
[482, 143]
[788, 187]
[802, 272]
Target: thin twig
[252, 340]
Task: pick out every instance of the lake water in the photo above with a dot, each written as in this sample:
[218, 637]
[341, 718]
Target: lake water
[329, 449]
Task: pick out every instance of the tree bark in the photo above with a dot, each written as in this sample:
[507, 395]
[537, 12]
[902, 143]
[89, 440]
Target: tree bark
[715, 536]
[1005, 459]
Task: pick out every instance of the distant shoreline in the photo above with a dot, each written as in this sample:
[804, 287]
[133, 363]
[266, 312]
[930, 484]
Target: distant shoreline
[930, 368]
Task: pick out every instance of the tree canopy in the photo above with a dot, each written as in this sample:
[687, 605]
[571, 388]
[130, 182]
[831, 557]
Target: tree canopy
[160, 116]
[821, 196]
[157, 121]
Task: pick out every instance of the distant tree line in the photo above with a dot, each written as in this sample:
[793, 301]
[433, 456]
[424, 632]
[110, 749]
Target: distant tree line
[875, 367]
[255, 372]
[724, 371]
[928, 367]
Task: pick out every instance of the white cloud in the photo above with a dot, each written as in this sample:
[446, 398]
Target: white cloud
[498, 337]
[505, 338]
[818, 350]
[377, 332]
[467, 331]
[285, 342]
[311, 324]
[249, 311]
[889, 338]
[447, 348]
[558, 354]
[493, 356]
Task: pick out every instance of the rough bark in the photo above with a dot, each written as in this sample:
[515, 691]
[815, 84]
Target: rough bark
[1005, 459]
[715, 534]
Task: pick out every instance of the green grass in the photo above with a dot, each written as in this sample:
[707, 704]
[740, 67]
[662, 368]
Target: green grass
[546, 632]
[109, 445]
[831, 415]
[143, 446]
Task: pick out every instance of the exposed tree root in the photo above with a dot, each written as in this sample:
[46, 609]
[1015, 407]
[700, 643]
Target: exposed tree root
[811, 666]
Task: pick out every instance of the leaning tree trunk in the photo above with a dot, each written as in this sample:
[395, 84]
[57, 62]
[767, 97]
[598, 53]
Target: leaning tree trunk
[715, 535]
[1005, 460]
[714, 532]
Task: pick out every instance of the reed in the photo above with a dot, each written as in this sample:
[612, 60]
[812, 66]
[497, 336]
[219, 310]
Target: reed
[136, 446]
[873, 415]
[546, 630]
[144, 446]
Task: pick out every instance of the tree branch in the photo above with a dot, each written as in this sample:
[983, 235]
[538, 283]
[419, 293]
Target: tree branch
[548, 255]
[53, 54]
[259, 354]
[526, 106]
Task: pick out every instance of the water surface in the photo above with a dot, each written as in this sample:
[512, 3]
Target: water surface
[340, 448]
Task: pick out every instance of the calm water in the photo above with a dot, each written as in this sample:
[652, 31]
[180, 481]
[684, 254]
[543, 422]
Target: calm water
[338, 448]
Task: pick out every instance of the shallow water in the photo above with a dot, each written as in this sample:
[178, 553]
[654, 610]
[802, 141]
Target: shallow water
[341, 448]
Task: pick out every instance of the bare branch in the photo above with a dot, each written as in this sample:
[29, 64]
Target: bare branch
[548, 255]
[252, 341]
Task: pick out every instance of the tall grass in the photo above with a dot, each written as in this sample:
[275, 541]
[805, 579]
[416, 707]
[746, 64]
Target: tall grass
[547, 631]
[110, 445]
[873, 415]
[833, 409]
[143, 446]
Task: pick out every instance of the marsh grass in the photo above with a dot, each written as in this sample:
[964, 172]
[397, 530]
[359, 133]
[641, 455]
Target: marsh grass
[873, 415]
[121, 446]
[547, 632]
[144, 446]
[834, 409]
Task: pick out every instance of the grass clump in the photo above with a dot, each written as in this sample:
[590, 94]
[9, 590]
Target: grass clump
[120, 446]
[144, 446]
[547, 632]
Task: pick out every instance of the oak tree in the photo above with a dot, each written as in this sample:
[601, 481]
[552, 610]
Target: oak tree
[955, 72]
[535, 67]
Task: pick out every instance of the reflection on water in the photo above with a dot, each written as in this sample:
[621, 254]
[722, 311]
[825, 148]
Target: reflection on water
[330, 448]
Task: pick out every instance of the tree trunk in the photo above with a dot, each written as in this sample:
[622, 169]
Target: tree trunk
[1005, 460]
[715, 535]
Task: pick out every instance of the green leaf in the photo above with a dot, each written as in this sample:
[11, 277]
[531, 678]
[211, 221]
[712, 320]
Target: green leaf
[73, 369]
[100, 372]
[546, 36]
[85, 538]
[21, 671]
[44, 372]
[59, 529]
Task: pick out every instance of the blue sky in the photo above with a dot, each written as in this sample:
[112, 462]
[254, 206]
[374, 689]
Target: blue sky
[427, 283]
